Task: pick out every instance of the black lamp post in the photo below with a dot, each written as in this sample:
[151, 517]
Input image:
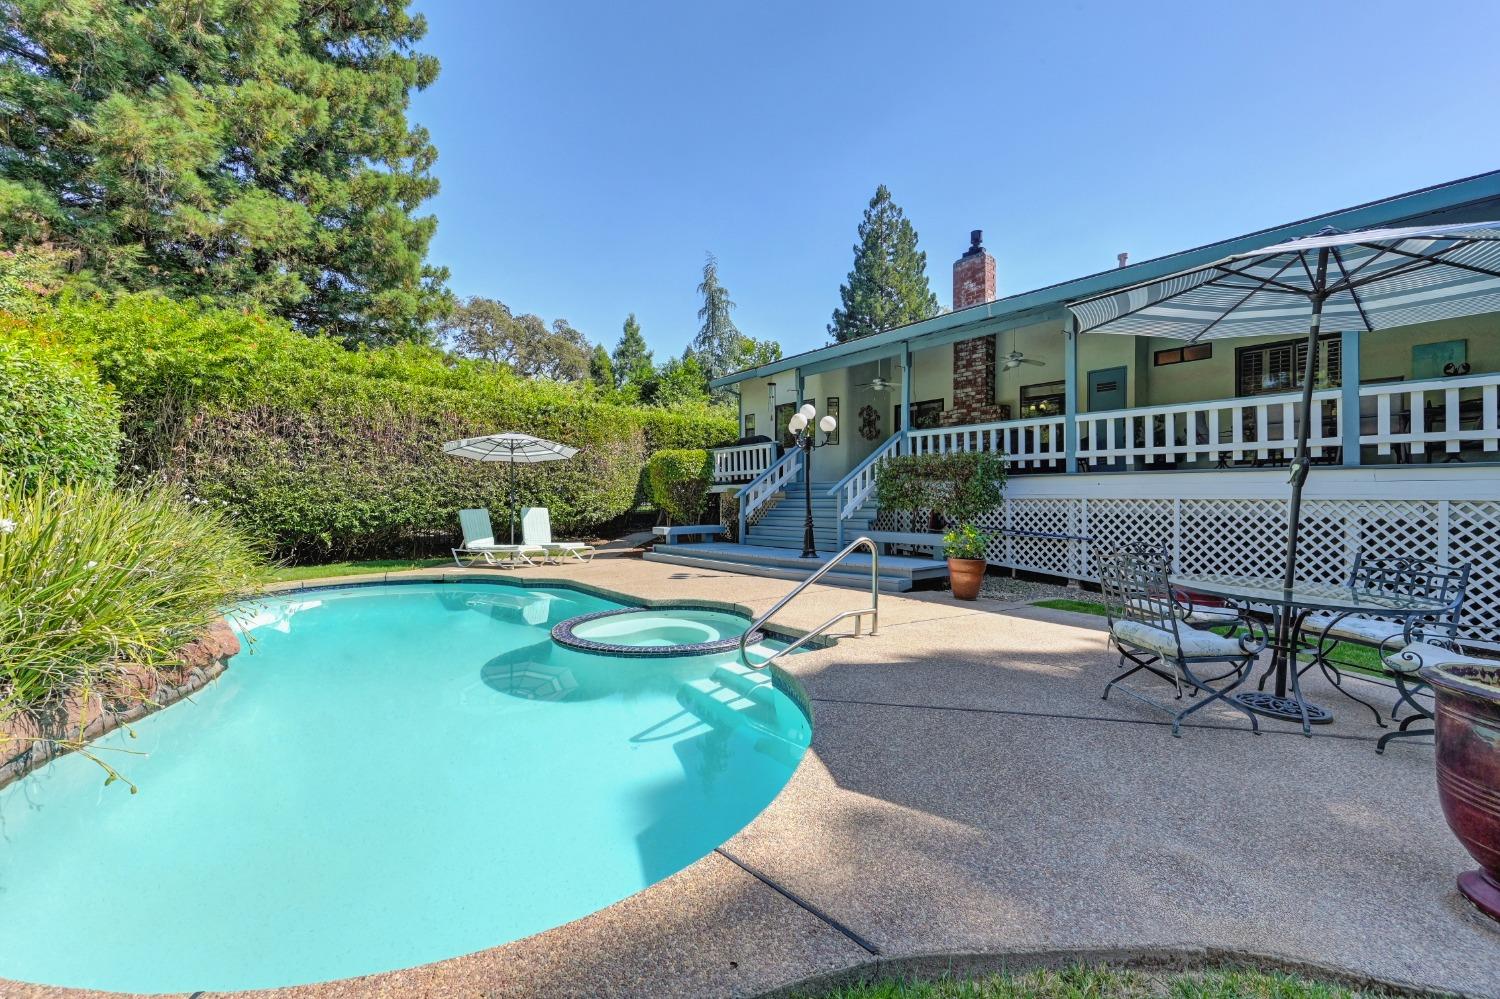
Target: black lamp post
[804, 437]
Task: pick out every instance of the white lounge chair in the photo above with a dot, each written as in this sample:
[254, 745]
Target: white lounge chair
[536, 530]
[479, 543]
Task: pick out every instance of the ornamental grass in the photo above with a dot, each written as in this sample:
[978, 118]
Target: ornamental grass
[97, 581]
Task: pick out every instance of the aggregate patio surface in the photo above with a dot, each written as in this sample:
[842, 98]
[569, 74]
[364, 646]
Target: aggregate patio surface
[970, 803]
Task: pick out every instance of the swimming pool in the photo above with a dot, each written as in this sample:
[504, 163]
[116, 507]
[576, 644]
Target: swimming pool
[396, 774]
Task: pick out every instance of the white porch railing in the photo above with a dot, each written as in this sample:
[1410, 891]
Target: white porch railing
[855, 488]
[1033, 443]
[759, 492]
[1257, 427]
[743, 463]
[1447, 411]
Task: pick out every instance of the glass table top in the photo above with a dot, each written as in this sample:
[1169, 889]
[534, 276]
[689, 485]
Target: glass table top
[1322, 596]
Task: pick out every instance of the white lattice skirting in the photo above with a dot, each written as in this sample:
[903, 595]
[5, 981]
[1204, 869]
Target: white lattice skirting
[1235, 521]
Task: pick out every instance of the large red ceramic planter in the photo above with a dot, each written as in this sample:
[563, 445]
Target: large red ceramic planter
[1468, 771]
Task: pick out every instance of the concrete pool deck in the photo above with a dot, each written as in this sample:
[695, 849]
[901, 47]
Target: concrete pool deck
[969, 802]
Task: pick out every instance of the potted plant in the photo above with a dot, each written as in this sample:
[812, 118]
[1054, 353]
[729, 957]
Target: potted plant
[1468, 767]
[964, 548]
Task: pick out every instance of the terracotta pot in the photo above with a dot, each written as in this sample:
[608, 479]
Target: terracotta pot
[966, 576]
[1468, 770]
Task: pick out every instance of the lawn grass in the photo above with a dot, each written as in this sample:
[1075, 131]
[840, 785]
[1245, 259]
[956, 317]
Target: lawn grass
[1076, 606]
[1344, 655]
[292, 573]
[1105, 983]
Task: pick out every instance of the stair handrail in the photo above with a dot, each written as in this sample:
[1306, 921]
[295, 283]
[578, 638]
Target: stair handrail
[873, 610]
[853, 489]
[754, 494]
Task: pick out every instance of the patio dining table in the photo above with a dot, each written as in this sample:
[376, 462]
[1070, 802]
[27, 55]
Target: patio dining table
[1290, 607]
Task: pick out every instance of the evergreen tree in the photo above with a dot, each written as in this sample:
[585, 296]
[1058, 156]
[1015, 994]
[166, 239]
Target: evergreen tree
[632, 358]
[601, 371]
[717, 343]
[257, 153]
[888, 285]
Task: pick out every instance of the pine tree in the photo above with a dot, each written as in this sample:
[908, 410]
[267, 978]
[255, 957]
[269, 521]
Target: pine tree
[632, 358]
[717, 343]
[256, 153]
[888, 285]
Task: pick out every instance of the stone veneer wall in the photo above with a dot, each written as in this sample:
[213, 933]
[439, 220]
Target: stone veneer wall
[29, 740]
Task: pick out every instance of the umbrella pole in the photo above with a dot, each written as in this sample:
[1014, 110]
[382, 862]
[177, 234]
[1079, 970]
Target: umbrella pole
[1304, 429]
[512, 497]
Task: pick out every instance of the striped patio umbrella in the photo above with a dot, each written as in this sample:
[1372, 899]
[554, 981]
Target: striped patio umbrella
[1373, 279]
[514, 449]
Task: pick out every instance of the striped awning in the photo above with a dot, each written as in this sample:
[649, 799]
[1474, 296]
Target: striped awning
[1376, 279]
[518, 449]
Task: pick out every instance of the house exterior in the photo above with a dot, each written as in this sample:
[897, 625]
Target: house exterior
[1113, 438]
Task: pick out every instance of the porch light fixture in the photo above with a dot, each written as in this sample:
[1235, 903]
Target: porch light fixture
[806, 439]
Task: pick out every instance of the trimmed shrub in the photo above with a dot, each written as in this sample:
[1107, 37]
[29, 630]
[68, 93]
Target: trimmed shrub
[677, 480]
[56, 420]
[322, 452]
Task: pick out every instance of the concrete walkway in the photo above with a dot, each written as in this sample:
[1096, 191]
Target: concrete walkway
[969, 801]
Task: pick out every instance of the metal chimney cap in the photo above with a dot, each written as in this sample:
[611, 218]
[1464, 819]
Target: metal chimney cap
[975, 236]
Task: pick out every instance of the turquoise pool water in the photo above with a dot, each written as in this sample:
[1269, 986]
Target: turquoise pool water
[394, 775]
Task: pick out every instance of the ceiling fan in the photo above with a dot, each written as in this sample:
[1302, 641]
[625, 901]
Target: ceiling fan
[1015, 358]
[880, 383]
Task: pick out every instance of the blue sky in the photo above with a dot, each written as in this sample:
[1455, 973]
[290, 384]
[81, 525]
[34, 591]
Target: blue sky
[590, 153]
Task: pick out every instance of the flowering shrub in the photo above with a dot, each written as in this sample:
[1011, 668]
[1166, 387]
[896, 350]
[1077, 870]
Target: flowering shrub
[965, 541]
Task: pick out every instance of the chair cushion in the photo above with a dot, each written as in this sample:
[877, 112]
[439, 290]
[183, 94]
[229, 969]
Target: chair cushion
[1365, 630]
[1194, 644]
[1212, 616]
[1419, 654]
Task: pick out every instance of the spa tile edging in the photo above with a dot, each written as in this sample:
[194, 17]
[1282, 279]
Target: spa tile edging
[563, 633]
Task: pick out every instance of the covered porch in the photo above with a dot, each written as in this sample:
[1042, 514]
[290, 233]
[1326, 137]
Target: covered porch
[1054, 403]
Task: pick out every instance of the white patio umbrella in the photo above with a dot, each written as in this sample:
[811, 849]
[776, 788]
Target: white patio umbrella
[514, 449]
[1374, 279]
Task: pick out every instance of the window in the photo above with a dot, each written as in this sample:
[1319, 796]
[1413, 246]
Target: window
[1178, 355]
[833, 411]
[1042, 399]
[924, 415]
[749, 424]
[1277, 367]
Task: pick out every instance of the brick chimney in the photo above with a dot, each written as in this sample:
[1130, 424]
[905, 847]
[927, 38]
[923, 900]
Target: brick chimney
[974, 360]
[973, 275]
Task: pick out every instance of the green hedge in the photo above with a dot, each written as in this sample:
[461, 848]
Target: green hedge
[56, 420]
[677, 479]
[327, 453]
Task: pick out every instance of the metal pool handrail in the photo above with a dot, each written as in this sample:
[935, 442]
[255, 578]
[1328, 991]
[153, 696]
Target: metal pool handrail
[873, 610]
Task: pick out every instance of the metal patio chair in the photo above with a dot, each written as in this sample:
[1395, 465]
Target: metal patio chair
[1146, 627]
[1397, 575]
[1189, 611]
